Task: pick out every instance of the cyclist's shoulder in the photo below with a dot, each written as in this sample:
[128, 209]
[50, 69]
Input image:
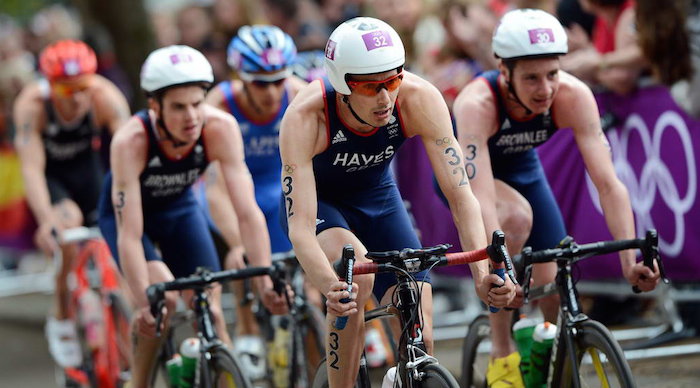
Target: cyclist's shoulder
[32, 97]
[574, 99]
[105, 93]
[130, 137]
[218, 121]
[310, 98]
[476, 101]
[296, 84]
[215, 96]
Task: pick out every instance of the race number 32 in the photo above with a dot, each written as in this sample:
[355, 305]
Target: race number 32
[377, 39]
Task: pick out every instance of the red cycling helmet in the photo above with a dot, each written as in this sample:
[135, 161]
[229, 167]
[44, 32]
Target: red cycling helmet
[66, 59]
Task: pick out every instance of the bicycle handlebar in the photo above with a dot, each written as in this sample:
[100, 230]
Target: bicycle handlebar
[416, 260]
[204, 277]
[573, 253]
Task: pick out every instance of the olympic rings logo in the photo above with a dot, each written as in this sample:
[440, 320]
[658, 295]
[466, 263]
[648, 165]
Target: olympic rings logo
[655, 175]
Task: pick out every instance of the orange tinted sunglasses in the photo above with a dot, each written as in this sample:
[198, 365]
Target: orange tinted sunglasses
[372, 88]
[67, 89]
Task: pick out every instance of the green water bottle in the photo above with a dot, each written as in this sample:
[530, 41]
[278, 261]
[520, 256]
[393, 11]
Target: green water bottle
[189, 350]
[542, 341]
[522, 331]
[174, 367]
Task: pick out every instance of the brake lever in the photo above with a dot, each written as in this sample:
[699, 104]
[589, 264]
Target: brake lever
[348, 261]
[650, 252]
[277, 274]
[156, 298]
[527, 276]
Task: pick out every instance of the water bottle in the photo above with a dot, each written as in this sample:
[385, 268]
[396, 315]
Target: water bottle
[189, 350]
[91, 318]
[522, 331]
[375, 351]
[174, 367]
[542, 341]
[390, 378]
[279, 359]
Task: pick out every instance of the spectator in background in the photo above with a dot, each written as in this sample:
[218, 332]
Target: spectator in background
[17, 66]
[338, 11]
[165, 28]
[196, 27]
[404, 16]
[612, 58]
[230, 15]
[53, 23]
[301, 19]
[672, 47]
[466, 47]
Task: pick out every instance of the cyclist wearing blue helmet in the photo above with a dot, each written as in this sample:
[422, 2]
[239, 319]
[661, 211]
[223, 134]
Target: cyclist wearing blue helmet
[310, 65]
[262, 57]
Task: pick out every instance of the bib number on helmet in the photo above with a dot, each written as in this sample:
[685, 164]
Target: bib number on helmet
[377, 39]
[180, 58]
[541, 35]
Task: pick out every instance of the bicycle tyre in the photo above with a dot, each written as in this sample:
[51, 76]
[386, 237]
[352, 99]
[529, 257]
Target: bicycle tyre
[436, 376]
[307, 344]
[474, 365]
[321, 376]
[121, 318]
[594, 340]
[224, 367]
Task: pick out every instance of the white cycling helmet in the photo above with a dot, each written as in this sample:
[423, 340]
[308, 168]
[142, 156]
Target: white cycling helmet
[524, 33]
[174, 65]
[362, 45]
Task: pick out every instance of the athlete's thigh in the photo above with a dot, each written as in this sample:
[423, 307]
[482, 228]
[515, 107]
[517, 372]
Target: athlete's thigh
[510, 202]
[332, 241]
[68, 213]
[188, 243]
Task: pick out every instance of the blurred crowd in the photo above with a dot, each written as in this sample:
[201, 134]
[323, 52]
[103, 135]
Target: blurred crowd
[613, 44]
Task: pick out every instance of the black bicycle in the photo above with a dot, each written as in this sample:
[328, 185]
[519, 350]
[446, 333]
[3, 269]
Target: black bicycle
[304, 327]
[416, 368]
[598, 360]
[216, 365]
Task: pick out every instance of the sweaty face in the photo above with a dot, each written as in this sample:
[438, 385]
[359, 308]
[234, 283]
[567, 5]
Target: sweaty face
[72, 93]
[267, 91]
[536, 82]
[375, 110]
[182, 110]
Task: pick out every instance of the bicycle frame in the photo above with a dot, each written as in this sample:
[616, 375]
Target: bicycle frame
[94, 269]
[570, 313]
[412, 352]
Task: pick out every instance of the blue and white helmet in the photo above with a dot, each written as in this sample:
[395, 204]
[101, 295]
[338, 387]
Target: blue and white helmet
[310, 65]
[261, 48]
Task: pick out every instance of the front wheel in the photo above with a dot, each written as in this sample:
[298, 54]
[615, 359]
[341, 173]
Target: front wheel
[600, 359]
[437, 376]
[321, 376]
[475, 353]
[224, 371]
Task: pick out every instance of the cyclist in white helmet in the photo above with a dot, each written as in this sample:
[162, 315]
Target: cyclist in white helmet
[501, 117]
[337, 140]
[147, 198]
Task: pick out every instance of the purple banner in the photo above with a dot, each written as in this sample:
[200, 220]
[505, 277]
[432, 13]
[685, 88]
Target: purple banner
[654, 148]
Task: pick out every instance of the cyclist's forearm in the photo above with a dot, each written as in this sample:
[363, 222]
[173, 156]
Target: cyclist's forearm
[37, 193]
[313, 260]
[619, 218]
[255, 238]
[133, 263]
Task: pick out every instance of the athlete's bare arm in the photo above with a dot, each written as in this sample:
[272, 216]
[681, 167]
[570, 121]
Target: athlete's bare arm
[595, 149]
[30, 120]
[425, 114]
[224, 143]
[111, 108]
[215, 98]
[128, 160]
[475, 118]
[302, 136]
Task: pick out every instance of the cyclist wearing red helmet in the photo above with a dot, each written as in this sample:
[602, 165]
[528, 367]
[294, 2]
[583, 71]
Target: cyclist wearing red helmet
[59, 121]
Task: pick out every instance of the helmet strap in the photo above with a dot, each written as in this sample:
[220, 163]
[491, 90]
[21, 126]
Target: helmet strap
[511, 90]
[176, 143]
[358, 118]
[255, 106]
